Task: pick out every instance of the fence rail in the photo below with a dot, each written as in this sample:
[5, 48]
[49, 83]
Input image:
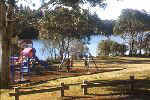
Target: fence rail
[18, 93]
[84, 86]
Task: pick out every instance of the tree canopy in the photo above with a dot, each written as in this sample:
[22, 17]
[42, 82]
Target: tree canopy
[109, 47]
[133, 25]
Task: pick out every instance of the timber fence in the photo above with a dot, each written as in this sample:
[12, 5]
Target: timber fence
[84, 86]
[130, 90]
[18, 93]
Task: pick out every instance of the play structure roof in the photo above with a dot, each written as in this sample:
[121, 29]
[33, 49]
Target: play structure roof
[26, 51]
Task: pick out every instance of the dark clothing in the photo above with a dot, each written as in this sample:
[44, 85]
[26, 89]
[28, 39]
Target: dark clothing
[85, 62]
[68, 63]
[68, 68]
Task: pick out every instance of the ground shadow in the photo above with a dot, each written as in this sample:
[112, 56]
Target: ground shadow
[121, 87]
[76, 97]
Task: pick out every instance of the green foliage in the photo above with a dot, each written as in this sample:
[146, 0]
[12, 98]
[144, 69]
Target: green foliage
[26, 22]
[107, 27]
[131, 21]
[70, 23]
[146, 44]
[75, 3]
[132, 25]
[108, 47]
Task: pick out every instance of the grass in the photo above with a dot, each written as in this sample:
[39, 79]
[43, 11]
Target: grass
[111, 82]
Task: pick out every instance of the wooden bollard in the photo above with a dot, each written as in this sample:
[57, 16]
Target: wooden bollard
[84, 86]
[132, 80]
[16, 89]
[62, 89]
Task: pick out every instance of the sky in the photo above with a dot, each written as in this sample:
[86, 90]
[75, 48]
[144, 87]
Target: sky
[112, 11]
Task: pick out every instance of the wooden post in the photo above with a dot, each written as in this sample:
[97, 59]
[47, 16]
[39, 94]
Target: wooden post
[16, 89]
[84, 87]
[62, 89]
[132, 79]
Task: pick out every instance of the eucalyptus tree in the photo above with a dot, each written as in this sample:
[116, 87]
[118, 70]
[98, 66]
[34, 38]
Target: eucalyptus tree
[131, 25]
[146, 44]
[106, 27]
[72, 3]
[5, 37]
[62, 24]
[7, 26]
[103, 48]
[78, 48]
[109, 47]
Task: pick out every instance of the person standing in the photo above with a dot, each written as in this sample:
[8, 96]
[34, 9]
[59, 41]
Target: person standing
[86, 62]
[71, 62]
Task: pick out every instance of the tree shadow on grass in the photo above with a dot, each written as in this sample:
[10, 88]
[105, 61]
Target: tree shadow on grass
[125, 61]
[76, 97]
[121, 87]
[59, 75]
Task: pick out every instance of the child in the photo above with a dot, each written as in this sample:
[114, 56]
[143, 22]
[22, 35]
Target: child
[24, 67]
[12, 70]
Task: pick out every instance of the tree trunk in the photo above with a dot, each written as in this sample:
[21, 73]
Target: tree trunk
[140, 53]
[5, 30]
[131, 47]
[4, 61]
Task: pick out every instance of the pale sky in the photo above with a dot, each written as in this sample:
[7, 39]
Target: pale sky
[113, 9]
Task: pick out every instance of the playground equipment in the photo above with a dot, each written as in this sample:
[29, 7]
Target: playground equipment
[25, 62]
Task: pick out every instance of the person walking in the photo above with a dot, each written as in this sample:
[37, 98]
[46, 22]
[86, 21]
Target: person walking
[68, 65]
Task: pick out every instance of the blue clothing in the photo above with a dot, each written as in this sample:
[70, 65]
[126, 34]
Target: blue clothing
[12, 68]
[12, 71]
[25, 66]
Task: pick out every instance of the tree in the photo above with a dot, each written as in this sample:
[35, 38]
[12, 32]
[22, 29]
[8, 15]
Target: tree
[56, 22]
[7, 33]
[109, 47]
[7, 27]
[56, 26]
[73, 3]
[146, 44]
[104, 48]
[5, 37]
[131, 25]
[78, 49]
[106, 27]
